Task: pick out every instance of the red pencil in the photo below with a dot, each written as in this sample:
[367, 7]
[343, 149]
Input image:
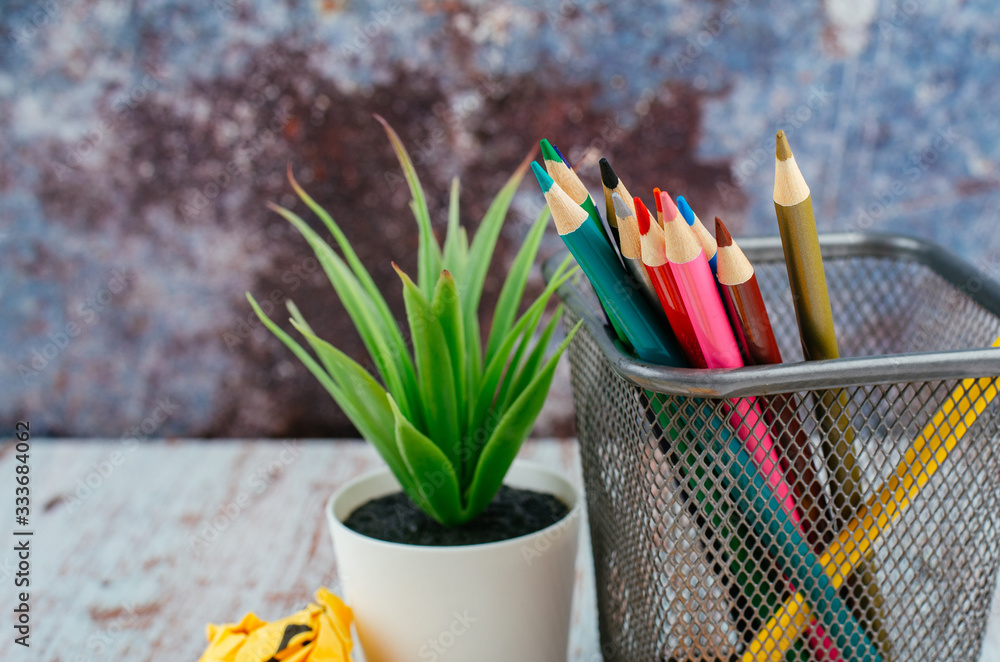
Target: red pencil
[655, 261]
[659, 206]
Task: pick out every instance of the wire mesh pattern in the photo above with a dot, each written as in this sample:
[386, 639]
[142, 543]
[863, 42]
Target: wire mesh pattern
[689, 563]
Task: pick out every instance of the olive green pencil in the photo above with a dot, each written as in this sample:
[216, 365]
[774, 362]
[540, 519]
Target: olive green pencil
[804, 262]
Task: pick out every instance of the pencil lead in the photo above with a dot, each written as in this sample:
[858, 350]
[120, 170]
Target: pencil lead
[608, 176]
[722, 233]
[621, 208]
[548, 152]
[656, 200]
[544, 180]
[669, 208]
[782, 150]
[685, 210]
[642, 215]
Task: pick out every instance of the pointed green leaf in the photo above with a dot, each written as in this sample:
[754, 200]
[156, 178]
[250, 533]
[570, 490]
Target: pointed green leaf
[485, 241]
[428, 251]
[391, 359]
[510, 432]
[448, 310]
[388, 321]
[363, 400]
[453, 252]
[434, 371]
[432, 473]
[365, 411]
[478, 264]
[487, 388]
[513, 287]
[516, 382]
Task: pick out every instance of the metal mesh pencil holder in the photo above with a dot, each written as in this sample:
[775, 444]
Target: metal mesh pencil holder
[686, 572]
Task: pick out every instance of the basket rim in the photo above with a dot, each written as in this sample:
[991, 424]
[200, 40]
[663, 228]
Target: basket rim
[811, 375]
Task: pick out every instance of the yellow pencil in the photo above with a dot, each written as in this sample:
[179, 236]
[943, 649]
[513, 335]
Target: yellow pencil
[938, 438]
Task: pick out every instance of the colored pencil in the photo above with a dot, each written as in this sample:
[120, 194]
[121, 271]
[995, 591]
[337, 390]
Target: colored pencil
[804, 263]
[701, 299]
[563, 175]
[856, 542]
[651, 245]
[612, 184]
[659, 206]
[614, 287]
[705, 237]
[631, 250]
[748, 316]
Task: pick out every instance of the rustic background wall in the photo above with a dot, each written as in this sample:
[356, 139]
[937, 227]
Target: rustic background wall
[140, 142]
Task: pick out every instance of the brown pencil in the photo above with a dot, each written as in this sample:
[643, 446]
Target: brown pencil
[754, 334]
[804, 262]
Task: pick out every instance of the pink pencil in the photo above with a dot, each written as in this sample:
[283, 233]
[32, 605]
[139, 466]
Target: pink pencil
[687, 261]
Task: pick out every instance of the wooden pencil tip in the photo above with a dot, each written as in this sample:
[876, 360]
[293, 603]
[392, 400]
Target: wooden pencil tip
[722, 233]
[548, 152]
[642, 215]
[656, 200]
[544, 180]
[608, 176]
[669, 208]
[782, 149]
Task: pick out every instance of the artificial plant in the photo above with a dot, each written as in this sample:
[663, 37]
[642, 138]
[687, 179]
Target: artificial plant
[447, 415]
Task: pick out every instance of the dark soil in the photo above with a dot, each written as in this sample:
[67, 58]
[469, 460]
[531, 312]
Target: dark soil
[512, 513]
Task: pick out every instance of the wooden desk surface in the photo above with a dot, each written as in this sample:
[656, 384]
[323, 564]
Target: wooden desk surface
[137, 547]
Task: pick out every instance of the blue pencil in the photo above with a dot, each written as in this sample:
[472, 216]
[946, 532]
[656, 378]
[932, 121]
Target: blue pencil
[705, 237]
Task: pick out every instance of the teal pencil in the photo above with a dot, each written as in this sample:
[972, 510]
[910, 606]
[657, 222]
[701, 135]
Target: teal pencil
[619, 294]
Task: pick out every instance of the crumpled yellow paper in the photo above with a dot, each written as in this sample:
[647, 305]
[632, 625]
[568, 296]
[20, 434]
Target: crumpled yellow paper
[319, 633]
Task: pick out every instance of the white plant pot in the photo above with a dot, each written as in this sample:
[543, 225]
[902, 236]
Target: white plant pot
[497, 602]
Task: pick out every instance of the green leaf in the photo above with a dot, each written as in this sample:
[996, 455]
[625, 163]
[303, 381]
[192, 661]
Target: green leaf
[428, 251]
[363, 400]
[448, 310]
[526, 324]
[513, 287]
[434, 371]
[516, 382]
[454, 251]
[388, 322]
[432, 473]
[510, 432]
[480, 256]
[391, 364]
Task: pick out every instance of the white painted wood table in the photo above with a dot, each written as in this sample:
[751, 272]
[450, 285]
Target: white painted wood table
[137, 546]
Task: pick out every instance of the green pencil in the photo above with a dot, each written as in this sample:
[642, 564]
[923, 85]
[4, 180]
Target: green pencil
[804, 262]
[570, 182]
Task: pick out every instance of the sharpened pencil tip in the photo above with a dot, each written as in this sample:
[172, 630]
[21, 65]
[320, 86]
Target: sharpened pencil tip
[669, 208]
[656, 200]
[548, 152]
[685, 209]
[608, 175]
[722, 233]
[543, 177]
[782, 150]
[642, 215]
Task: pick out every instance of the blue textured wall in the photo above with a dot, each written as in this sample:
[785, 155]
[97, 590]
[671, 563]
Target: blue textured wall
[140, 143]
